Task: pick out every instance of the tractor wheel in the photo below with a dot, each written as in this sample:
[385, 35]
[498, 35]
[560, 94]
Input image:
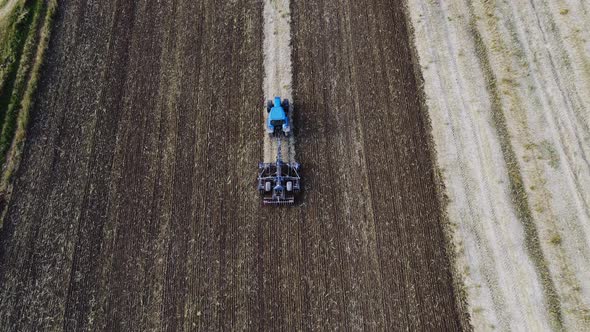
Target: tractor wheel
[285, 105]
[269, 105]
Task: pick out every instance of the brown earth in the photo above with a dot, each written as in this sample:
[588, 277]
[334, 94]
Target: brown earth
[135, 206]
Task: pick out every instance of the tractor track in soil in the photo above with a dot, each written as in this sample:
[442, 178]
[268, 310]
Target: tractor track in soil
[135, 207]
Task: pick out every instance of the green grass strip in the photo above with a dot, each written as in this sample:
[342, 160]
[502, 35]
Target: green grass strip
[17, 25]
[14, 130]
[9, 107]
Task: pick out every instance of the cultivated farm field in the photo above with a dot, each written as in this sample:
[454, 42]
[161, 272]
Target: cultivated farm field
[134, 207]
[443, 148]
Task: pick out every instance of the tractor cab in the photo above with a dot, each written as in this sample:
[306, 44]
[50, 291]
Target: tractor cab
[278, 117]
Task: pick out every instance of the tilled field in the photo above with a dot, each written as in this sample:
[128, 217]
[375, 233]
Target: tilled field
[135, 206]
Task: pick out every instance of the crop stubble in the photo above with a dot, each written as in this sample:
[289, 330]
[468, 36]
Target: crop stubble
[135, 208]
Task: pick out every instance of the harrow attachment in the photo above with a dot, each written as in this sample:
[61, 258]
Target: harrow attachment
[278, 182]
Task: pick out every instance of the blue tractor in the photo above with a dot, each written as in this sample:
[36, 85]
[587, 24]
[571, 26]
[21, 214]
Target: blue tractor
[278, 117]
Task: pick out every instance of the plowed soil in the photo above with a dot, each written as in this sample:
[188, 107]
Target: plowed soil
[135, 206]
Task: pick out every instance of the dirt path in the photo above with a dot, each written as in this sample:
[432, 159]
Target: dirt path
[507, 86]
[278, 77]
[135, 207]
